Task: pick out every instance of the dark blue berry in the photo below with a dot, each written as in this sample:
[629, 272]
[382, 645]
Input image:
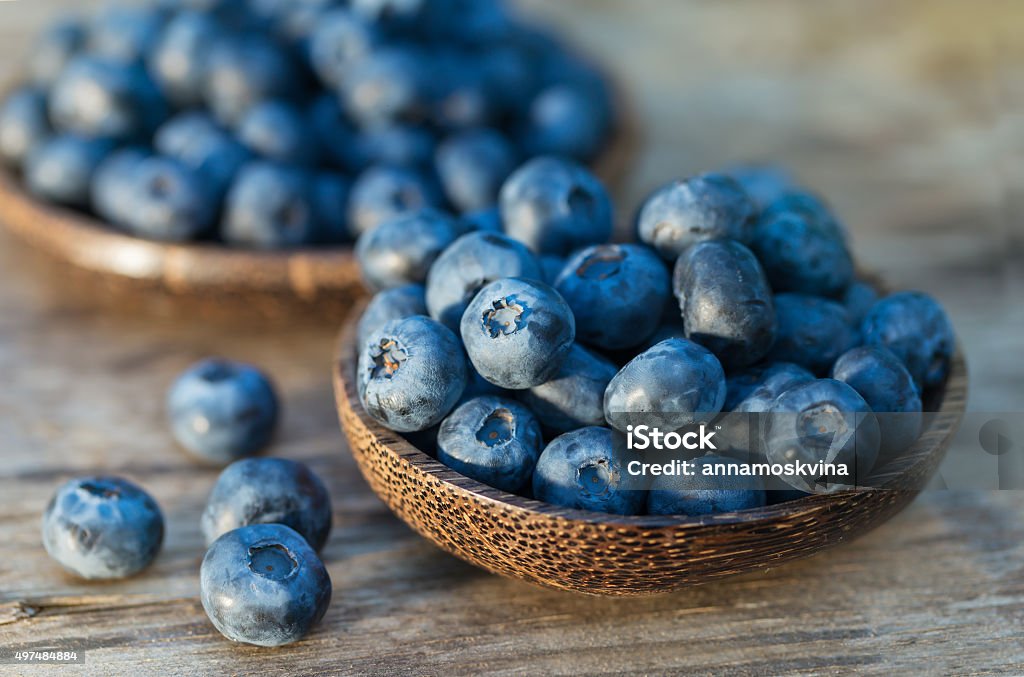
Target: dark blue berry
[812, 332]
[199, 143]
[917, 330]
[704, 207]
[383, 192]
[402, 249]
[222, 411]
[518, 332]
[178, 60]
[24, 125]
[726, 302]
[674, 384]
[243, 70]
[555, 206]
[705, 494]
[587, 469]
[270, 206]
[800, 255]
[616, 293]
[396, 303]
[329, 193]
[113, 185]
[492, 440]
[472, 167]
[102, 528]
[61, 169]
[471, 262]
[568, 121]
[268, 491]
[574, 397]
[263, 585]
[279, 131]
[169, 201]
[412, 373]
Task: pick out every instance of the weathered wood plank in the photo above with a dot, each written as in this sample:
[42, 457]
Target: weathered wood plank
[898, 110]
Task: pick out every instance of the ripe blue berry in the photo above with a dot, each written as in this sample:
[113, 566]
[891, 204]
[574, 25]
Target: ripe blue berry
[396, 303]
[168, 201]
[264, 585]
[279, 131]
[402, 249]
[705, 494]
[704, 207]
[917, 330]
[472, 166]
[383, 192]
[674, 384]
[471, 262]
[221, 411]
[555, 206]
[802, 254]
[574, 397]
[812, 332]
[587, 469]
[492, 440]
[24, 125]
[102, 528]
[270, 206]
[518, 332]
[61, 169]
[726, 302]
[412, 372]
[199, 143]
[268, 491]
[178, 60]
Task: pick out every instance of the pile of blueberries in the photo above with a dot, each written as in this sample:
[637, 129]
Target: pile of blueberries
[521, 351]
[271, 124]
[261, 581]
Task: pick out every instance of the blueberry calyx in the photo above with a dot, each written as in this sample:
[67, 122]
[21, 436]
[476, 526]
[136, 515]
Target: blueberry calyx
[505, 317]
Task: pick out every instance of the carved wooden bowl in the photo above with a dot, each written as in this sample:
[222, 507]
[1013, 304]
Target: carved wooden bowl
[210, 280]
[602, 554]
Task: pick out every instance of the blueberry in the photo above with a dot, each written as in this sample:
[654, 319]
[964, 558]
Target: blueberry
[886, 385]
[568, 121]
[511, 77]
[808, 205]
[382, 192]
[24, 125]
[168, 201]
[113, 185]
[412, 372]
[726, 301]
[61, 169]
[555, 206]
[616, 293]
[103, 98]
[750, 395]
[574, 397]
[402, 249]
[335, 135]
[812, 332]
[243, 70]
[471, 262]
[268, 491]
[270, 206]
[704, 207]
[459, 97]
[472, 166]
[917, 330]
[518, 332]
[53, 49]
[858, 300]
[492, 440]
[674, 384]
[263, 585]
[389, 84]
[221, 411]
[763, 183]
[587, 469]
[396, 17]
[486, 220]
[396, 303]
[125, 33]
[199, 143]
[398, 145]
[102, 528]
[822, 421]
[551, 267]
[339, 42]
[279, 131]
[178, 60]
[705, 494]
[799, 255]
[329, 193]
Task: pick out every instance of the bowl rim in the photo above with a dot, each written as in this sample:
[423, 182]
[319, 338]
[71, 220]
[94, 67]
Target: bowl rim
[920, 458]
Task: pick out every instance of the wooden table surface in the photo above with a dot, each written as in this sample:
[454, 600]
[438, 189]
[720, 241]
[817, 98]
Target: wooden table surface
[905, 112]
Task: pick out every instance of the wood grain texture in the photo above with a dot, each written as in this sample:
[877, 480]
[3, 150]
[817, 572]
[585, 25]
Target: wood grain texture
[904, 112]
[599, 554]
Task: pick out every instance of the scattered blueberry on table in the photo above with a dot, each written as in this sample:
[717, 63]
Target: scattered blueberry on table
[263, 584]
[102, 528]
[221, 411]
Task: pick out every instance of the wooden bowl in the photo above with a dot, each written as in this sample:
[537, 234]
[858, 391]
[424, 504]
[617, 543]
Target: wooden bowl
[602, 554]
[210, 280]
